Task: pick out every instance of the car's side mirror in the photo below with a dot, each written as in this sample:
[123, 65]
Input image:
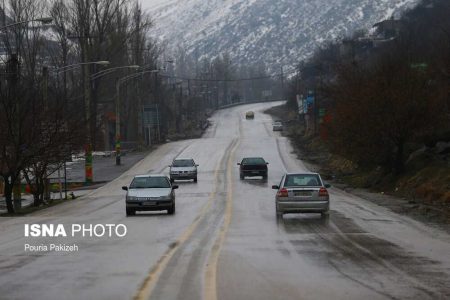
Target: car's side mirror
[238, 164]
[267, 163]
[125, 188]
[327, 185]
[275, 187]
[196, 165]
[174, 187]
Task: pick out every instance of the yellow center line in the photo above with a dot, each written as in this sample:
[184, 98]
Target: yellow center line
[150, 281]
[148, 285]
[210, 287]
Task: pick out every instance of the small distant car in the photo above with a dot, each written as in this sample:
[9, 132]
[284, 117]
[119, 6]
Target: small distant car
[250, 115]
[302, 193]
[150, 193]
[184, 169]
[277, 126]
[253, 166]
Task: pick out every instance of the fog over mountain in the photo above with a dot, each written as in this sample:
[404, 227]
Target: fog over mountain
[280, 32]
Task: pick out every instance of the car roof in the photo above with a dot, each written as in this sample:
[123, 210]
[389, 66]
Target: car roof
[184, 158]
[302, 173]
[150, 175]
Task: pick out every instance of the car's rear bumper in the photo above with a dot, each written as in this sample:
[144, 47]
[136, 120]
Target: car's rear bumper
[183, 176]
[302, 206]
[150, 205]
[254, 173]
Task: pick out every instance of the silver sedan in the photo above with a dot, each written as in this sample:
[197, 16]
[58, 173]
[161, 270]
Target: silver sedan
[149, 193]
[183, 168]
[302, 193]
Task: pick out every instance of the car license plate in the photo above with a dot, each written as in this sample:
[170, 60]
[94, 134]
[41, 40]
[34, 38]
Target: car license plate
[255, 172]
[149, 203]
[302, 193]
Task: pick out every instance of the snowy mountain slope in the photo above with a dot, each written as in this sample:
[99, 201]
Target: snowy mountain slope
[278, 32]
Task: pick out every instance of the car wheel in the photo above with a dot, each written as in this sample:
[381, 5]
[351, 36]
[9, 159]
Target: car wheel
[171, 210]
[195, 179]
[264, 176]
[241, 176]
[130, 212]
[172, 180]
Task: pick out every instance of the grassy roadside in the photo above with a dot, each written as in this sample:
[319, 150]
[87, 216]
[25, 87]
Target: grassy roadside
[424, 186]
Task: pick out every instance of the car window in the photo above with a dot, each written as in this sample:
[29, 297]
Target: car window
[253, 161]
[302, 180]
[149, 182]
[183, 163]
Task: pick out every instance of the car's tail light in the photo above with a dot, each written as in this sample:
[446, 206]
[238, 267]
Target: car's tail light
[323, 192]
[282, 193]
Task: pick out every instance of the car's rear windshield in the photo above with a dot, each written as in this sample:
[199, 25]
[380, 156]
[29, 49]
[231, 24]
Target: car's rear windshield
[149, 182]
[183, 163]
[302, 180]
[253, 161]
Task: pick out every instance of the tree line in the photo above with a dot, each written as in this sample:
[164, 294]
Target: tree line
[386, 93]
[52, 99]
[58, 98]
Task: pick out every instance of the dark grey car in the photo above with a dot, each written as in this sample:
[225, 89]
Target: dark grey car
[150, 193]
[302, 193]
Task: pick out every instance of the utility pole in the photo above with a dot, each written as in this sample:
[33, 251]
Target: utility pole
[118, 123]
[139, 111]
[45, 86]
[87, 107]
[118, 108]
[189, 87]
[282, 82]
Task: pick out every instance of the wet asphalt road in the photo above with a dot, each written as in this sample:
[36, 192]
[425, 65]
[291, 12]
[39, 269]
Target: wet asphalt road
[225, 242]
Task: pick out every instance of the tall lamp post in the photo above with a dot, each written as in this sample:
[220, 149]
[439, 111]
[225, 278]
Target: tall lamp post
[111, 70]
[119, 82]
[102, 73]
[88, 150]
[74, 66]
[46, 20]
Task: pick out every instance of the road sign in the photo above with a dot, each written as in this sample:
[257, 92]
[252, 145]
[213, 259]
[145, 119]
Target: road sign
[150, 115]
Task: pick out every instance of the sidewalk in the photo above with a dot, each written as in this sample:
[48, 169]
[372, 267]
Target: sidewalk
[104, 170]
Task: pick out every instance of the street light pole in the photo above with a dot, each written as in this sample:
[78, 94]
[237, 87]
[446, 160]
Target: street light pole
[45, 20]
[109, 71]
[118, 136]
[74, 66]
[86, 81]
